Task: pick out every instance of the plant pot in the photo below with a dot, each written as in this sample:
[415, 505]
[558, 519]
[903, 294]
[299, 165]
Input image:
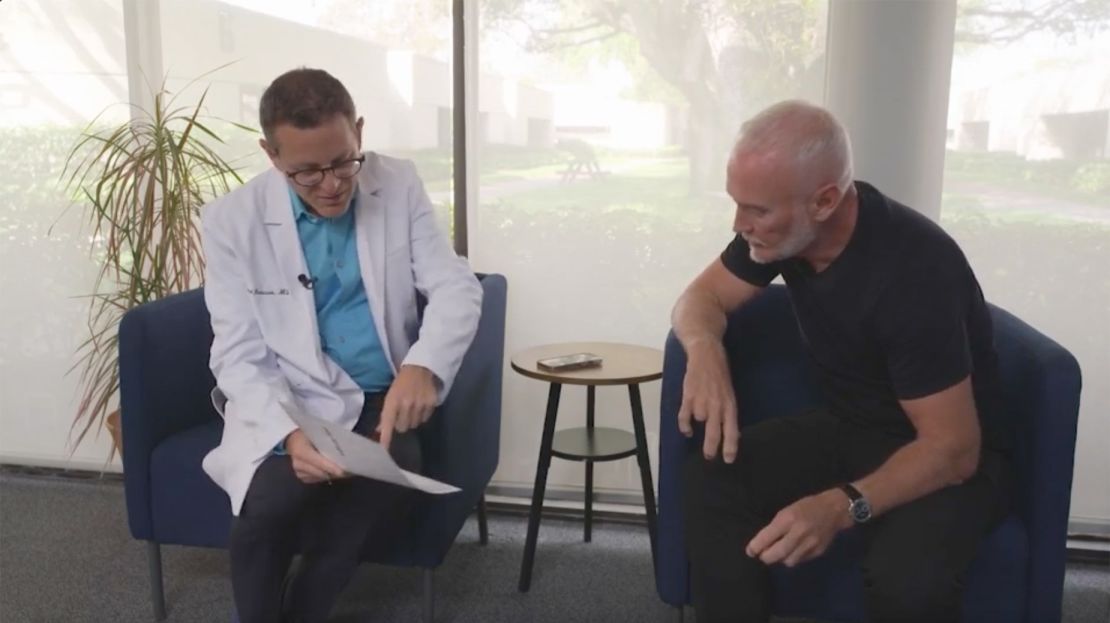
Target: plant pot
[113, 424]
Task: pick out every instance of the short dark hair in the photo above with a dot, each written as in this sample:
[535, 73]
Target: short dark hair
[304, 98]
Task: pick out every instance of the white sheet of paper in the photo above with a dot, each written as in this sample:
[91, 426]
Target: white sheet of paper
[361, 456]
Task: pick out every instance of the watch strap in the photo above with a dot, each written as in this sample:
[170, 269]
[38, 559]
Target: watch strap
[852, 492]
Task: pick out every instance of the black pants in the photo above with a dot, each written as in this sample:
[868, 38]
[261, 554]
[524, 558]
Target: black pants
[329, 524]
[915, 556]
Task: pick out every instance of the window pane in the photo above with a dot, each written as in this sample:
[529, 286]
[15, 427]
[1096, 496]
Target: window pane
[1027, 192]
[603, 131]
[61, 65]
[394, 58]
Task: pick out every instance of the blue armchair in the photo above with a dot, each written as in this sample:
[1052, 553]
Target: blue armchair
[1018, 575]
[169, 425]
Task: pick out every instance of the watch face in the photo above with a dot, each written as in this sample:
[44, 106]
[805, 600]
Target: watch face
[860, 510]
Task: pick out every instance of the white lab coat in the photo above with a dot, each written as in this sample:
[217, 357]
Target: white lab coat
[266, 350]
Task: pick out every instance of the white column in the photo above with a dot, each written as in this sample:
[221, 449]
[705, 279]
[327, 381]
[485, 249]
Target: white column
[142, 27]
[888, 74]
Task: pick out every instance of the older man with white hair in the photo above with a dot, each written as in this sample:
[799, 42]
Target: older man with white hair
[906, 451]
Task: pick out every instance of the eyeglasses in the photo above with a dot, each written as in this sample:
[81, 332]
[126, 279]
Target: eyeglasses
[344, 170]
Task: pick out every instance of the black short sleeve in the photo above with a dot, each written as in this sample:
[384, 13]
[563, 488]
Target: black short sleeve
[738, 260]
[923, 331]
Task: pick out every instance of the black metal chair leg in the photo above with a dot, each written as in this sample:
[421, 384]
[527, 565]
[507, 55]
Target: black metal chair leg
[483, 527]
[154, 562]
[429, 596]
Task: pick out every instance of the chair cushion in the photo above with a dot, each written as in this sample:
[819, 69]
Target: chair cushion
[831, 587]
[184, 514]
[193, 510]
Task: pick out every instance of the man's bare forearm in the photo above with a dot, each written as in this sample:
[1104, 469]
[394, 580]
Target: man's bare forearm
[698, 318]
[913, 471]
[945, 451]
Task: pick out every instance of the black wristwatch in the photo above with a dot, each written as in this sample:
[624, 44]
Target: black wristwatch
[859, 508]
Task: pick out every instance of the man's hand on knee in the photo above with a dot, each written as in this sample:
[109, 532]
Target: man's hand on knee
[308, 464]
[708, 396]
[803, 530]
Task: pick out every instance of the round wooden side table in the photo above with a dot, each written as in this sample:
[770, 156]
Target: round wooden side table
[622, 364]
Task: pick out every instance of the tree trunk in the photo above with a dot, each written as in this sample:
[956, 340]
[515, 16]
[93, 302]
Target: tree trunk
[673, 40]
[707, 147]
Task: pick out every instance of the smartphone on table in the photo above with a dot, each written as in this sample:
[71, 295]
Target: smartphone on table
[574, 361]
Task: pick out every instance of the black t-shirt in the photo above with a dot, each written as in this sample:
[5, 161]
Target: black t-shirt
[897, 315]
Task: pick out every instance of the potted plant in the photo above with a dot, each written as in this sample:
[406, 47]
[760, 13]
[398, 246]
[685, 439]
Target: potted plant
[142, 184]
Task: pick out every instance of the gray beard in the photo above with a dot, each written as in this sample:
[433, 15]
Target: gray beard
[799, 238]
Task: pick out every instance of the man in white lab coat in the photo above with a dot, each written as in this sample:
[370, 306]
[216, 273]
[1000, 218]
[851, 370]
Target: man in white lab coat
[313, 270]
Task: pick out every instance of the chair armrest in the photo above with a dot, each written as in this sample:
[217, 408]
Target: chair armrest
[462, 440]
[672, 567]
[1042, 383]
[464, 437]
[164, 388]
[772, 377]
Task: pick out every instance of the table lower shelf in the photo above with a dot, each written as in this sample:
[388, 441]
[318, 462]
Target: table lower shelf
[597, 444]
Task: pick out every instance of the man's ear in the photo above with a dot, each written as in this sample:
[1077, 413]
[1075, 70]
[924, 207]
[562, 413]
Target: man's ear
[825, 201]
[271, 152]
[358, 132]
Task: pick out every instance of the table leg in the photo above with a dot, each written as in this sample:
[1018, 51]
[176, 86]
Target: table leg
[644, 461]
[586, 532]
[538, 491]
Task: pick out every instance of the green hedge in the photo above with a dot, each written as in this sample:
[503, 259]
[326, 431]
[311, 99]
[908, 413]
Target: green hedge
[34, 158]
[1092, 178]
[33, 161]
[1068, 177]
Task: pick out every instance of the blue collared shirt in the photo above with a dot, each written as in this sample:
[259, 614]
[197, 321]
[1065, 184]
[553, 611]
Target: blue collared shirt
[343, 314]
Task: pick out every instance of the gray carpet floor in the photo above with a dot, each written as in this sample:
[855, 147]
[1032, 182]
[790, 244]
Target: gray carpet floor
[66, 556]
